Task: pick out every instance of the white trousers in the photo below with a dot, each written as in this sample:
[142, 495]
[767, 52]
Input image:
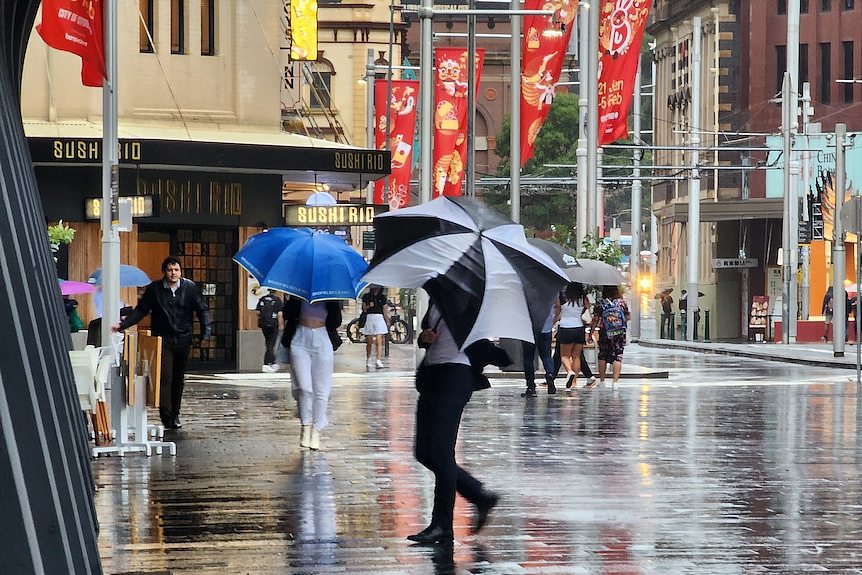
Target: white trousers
[311, 367]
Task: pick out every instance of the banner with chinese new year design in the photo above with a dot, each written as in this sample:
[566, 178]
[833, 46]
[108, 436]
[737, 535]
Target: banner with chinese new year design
[303, 29]
[545, 42]
[402, 119]
[620, 33]
[450, 117]
[76, 26]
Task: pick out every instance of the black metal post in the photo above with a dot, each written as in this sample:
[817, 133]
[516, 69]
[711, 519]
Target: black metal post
[706, 327]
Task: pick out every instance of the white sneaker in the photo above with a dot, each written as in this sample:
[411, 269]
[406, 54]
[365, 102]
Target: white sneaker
[379, 364]
[266, 368]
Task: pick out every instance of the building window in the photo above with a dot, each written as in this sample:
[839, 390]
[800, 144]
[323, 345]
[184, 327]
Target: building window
[825, 72]
[780, 66]
[803, 64]
[782, 6]
[825, 5]
[208, 20]
[178, 27]
[803, 6]
[321, 86]
[847, 52]
[848, 4]
[147, 28]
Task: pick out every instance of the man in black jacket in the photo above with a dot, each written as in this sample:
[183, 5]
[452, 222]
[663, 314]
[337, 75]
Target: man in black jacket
[172, 300]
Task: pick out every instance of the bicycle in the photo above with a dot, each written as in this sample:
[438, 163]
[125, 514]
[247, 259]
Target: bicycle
[399, 330]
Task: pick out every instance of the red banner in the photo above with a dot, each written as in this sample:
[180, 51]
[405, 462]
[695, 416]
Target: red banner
[402, 116]
[620, 34]
[450, 117]
[544, 49]
[76, 26]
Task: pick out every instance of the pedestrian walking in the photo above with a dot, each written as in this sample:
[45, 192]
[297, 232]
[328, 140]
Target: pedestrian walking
[376, 327]
[543, 346]
[611, 315]
[572, 331]
[445, 380]
[173, 302]
[268, 307]
[311, 335]
[666, 301]
[826, 311]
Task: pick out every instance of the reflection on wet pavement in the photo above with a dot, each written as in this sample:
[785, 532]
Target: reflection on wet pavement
[711, 471]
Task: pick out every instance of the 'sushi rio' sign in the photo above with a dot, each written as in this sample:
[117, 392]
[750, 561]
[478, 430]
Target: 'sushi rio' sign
[338, 215]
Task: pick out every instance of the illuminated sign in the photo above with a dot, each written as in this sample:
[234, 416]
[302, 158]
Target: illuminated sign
[142, 207]
[727, 263]
[338, 215]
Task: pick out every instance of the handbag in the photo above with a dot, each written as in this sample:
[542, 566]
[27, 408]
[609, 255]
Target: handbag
[587, 316]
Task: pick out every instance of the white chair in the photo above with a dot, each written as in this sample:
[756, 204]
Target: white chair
[91, 369]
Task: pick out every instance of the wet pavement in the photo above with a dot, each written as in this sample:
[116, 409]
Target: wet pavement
[730, 466]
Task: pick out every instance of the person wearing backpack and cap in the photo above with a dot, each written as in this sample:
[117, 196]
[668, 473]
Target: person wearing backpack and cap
[268, 307]
[611, 315]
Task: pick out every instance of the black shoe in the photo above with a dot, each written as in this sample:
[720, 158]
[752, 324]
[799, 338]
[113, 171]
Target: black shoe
[531, 392]
[432, 535]
[167, 418]
[552, 389]
[570, 381]
[176, 422]
[483, 510]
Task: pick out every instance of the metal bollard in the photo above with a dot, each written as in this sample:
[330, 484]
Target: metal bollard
[672, 325]
[706, 327]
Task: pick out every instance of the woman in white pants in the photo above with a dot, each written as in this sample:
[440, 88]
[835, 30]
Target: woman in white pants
[310, 333]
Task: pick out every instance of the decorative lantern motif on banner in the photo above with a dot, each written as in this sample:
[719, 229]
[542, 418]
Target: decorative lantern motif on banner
[545, 42]
[450, 117]
[303, 29]
[76, 26]
[402, 117]
[621, 31]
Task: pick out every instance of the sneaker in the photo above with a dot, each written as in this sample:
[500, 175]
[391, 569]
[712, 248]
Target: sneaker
[379, 364]
[571, 380]
[266, 368]
[531, 392]
[592, 381]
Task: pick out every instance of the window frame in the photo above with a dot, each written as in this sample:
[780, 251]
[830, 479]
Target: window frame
[208, 28]
[147, 12]
[178, 27]
[847, 48]
[825, 88]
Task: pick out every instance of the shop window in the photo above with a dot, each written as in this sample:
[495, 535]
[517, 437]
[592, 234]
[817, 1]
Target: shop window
[147, 30]
[178, 27]
[208, 27]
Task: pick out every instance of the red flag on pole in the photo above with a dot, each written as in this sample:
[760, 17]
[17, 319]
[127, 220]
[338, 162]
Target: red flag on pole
[450, 117]
[402, 115]
[545, 42]
[620, 34]
[76, 26]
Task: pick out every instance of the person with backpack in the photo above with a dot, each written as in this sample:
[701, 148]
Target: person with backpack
[611, 315]
[268, 307]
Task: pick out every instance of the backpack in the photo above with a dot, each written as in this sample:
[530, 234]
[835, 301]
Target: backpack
[613, 317]
[268, 307]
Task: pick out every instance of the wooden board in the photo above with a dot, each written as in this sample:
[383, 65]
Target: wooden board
[150, 356]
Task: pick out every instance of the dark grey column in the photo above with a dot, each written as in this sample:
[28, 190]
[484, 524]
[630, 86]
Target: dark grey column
[47, 518]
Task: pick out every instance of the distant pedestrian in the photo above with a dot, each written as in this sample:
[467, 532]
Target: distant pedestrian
[666, 301]
[827, 312]
[445, 380]
[268, 307]
[375, 308]
[311, 335]
[71, 307]
[572, 331]
[611, 315]
[543, 346]
[173, 301]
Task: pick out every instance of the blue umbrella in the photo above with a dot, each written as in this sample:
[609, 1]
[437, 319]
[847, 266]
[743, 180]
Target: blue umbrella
[130, 276]
[300, 262]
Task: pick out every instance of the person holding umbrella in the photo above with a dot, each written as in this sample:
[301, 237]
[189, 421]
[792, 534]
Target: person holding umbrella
[172, 300]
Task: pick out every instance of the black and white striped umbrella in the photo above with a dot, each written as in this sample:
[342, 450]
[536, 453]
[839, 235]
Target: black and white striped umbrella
[480, 270]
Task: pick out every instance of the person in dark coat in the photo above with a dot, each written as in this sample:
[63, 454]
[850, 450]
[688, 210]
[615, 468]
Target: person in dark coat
[445, 380]
[173, 302]
[311, 335]
[268, 307]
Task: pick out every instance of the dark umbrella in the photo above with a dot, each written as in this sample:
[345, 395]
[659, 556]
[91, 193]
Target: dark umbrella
[480, 270]
[561, 256]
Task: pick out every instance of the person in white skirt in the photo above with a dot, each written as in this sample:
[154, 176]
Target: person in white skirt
[376, 324]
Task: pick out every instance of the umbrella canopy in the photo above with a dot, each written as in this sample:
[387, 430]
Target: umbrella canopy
[561, 256]
[130, 276]
[595, 272]
[483, 275]
[300, 262]
[68, 287]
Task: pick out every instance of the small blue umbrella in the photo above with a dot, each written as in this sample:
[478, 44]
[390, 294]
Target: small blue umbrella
[303, 263]
[130, 276]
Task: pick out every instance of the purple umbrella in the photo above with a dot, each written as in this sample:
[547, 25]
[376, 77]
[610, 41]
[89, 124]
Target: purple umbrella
[68, 287]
